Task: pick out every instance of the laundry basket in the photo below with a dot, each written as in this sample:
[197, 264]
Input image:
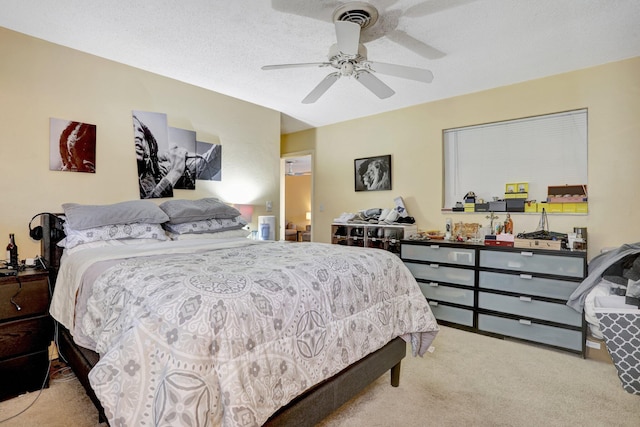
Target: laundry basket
[620, 326]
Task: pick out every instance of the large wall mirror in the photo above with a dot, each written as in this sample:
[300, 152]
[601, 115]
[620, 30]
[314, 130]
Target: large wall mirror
[547, 150]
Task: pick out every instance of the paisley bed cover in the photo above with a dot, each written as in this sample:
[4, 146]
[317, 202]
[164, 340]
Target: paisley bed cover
[228, 336]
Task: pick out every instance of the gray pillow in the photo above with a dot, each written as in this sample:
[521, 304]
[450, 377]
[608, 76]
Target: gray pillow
[82, 217]
[181, 211]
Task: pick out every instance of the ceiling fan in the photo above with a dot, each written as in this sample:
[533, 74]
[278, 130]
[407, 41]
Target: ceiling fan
[349, 57]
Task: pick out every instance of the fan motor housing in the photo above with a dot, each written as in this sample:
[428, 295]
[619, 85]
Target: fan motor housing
[361, 13]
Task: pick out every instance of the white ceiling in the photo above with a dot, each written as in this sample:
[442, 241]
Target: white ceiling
[469, 45]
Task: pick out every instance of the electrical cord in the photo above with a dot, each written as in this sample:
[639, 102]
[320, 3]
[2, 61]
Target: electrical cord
[44, 383]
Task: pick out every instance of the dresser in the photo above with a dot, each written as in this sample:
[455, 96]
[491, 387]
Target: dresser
[25, 332]
[502, 291]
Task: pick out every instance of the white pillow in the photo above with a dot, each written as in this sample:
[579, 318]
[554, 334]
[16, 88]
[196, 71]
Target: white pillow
[206, 226]
[181, 211]
[103, 243]
[227, 234]
[113, 232]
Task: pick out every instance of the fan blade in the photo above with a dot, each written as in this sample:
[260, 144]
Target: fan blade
[374, 84]
[415, 45]
[348, 35]
[322, 87]
[411, 73]
[301, 65]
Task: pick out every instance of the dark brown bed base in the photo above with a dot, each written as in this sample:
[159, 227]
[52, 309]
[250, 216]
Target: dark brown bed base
[306, 410]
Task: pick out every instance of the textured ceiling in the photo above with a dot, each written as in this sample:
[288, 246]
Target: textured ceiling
[469, 45]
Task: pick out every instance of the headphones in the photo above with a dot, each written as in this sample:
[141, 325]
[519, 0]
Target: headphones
[56, 235]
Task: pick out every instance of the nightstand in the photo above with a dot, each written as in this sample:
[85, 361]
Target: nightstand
[25, 333]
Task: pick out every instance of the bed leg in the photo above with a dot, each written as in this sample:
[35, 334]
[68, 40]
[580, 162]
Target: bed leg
[395, 375]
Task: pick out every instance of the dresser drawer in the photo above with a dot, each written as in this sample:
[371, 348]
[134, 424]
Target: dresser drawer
[32, 299]
[439, 292]
[543, 334]
[526, 307]
[452, 314]
[437, 273]
[439, 254]
[527, 284]
[25, 336]
[532, 262]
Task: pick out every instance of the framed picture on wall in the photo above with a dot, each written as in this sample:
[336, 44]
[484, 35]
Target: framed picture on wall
[373, 173]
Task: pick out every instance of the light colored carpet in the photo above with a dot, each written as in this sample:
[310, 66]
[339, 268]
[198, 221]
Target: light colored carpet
[469, 380]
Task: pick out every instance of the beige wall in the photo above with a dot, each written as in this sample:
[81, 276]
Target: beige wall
[40, 80]
[413, 136]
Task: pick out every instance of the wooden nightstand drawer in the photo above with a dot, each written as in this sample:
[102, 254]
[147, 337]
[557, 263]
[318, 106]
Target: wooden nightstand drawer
[33, 299]
[24, 373]
[25, 336]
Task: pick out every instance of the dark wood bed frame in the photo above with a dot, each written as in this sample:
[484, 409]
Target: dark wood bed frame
[306, 410]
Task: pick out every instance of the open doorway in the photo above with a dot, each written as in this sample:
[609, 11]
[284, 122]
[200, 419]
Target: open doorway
[296, 197]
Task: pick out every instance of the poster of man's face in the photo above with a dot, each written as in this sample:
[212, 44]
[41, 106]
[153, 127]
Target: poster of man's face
[72, 146]
[151, 140]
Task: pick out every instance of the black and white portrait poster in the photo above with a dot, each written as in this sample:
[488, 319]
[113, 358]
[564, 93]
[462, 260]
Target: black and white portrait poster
[373, 173]
[72, 146]
[210, 166]
[159, 168]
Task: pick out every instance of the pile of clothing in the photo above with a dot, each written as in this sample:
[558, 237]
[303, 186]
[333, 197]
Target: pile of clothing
[375, 216]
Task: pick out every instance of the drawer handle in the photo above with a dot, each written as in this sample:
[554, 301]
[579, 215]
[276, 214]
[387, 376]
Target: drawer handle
[525, 299]
[434, 265]
[433, 284]
[526, 276]
[435, 246]
[433, 303]
[525, 322]
[526, 253]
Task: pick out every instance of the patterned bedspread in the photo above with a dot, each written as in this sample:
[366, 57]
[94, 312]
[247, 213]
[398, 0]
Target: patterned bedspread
[227, 337]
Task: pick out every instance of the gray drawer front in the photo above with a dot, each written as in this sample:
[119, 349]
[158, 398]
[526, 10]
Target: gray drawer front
[437, 273]
[544, 334]
[527, 284]
[529, 261]
[437, 253]
[460, 296]
[452, 314]
[526, 307]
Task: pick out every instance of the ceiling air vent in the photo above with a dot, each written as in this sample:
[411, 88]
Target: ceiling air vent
[358, 12]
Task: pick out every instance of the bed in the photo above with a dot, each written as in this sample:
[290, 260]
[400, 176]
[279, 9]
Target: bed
[228, 331]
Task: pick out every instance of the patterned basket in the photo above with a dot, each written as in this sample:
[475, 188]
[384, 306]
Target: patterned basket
[621, 330]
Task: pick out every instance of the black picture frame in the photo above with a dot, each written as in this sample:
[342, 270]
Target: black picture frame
[372, 173]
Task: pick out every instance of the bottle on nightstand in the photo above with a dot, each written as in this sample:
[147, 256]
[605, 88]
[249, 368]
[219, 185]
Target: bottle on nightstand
[12, 252]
